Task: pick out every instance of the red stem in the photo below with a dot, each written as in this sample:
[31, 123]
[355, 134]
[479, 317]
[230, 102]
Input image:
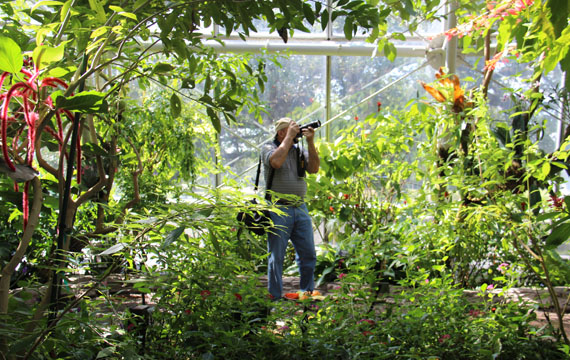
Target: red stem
[25, 203]
[4, 119]
[3, 77]
[53, 133]
[78, 153]
[31, 121]
[49, 81]
[26, 72]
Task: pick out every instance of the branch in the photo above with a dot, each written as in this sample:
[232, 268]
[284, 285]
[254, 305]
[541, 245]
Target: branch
[43, 163]
[489, 71]
[100, 230]
[9, 269]
[45, 333]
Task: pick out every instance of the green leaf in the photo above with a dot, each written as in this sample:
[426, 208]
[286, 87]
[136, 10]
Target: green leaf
[99, 32]
[172, 236]
[116, 9]
[348, 27]
[208, 84]
[559, 235]
[44, 3]
[215, 119]
[113, 249]
[390, 51]
[324, 19]
[162, 68]
[106, 352]
[309, 14]
[98, 7]
[60, 72]
[122, 12]
[545, 170]
[175, 105]
[88, 102]
[44, 55]
[215, 243]
[22, 344]
[206, 212]
[547, 216]
[11, 58]
[15, 214]
[128, 15]
[64, 10]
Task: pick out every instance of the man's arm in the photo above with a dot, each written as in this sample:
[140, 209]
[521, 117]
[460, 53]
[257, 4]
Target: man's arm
[280, 154]
[314, 161]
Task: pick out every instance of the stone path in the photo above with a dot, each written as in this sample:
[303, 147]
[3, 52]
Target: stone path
[291, 284]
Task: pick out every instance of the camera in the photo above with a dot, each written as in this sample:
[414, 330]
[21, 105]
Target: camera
[314, 125]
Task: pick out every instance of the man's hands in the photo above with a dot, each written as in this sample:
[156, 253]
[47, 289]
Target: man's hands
[287, 140]
[309, 133]
[292, 130]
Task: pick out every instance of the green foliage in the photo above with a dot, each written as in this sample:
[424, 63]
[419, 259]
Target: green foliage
[394, 210]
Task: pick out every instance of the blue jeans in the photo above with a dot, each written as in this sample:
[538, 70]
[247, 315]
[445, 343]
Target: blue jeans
[296, 225]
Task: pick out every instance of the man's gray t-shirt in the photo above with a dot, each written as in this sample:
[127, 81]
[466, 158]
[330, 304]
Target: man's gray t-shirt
[285, 179]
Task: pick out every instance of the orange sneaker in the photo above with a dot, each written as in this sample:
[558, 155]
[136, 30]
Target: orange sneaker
[292, 296]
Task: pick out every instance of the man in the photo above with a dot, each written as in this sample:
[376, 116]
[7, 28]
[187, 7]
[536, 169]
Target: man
[289, 164]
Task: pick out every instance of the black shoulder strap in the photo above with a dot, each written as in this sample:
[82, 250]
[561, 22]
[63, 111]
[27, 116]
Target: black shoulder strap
[269, 181]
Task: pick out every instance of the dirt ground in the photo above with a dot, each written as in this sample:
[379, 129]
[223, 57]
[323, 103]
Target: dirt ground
[543, 317]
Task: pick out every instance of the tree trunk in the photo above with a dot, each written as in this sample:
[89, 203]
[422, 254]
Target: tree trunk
[33, 221]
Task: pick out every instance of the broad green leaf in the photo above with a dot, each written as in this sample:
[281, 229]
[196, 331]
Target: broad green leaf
[90, 148]
[44, 55]
[162, 68]
[559, 14]
[64, 10]
[172, 236]
[11, 58]
[206, 212]
[106, 352]
[324, 19]
[115, 8]
[139, 3]
[89, 102]
[175, 105]
[309, 14]
[45, 3]
[547, 216]
[208, 84]
[215, 119]
[22, 345]
[60, 72]
[98, 7]
[545, 170]
[323, 275]
[138, 283]
[128, 15]
[122, 12]
[16, 213]
[390, 51]
[113, 249]
[99, 32]
[559, 235]
[348, 27]
[215, 243]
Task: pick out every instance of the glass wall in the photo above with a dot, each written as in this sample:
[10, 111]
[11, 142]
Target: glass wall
[302, 86]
